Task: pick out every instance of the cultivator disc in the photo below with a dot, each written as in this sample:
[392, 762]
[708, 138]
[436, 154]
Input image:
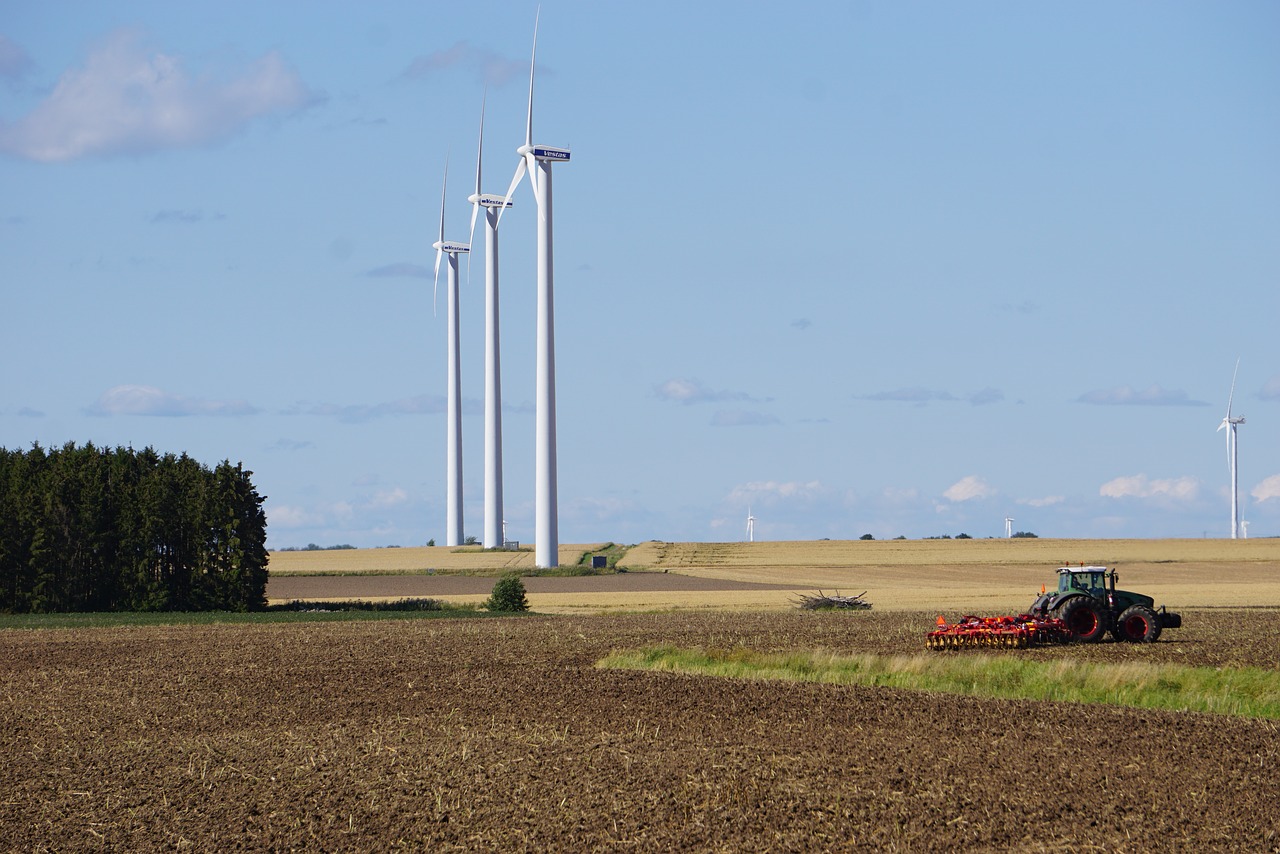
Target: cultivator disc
[1017, 632]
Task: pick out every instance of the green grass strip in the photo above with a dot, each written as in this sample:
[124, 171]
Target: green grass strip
[1241, 692]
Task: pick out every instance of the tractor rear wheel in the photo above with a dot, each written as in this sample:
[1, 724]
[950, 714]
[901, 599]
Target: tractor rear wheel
[1138, 624]
[1084, 619]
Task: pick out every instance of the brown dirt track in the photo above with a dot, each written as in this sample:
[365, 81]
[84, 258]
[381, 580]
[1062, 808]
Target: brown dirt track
[483, 733]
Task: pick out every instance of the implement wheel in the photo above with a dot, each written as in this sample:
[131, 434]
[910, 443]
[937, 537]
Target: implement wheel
[1138, 624]
[1085, 620]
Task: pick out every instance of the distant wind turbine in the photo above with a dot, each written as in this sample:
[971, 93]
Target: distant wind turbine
[1230, 424]
[1008, 527]
[453, 429]
[494, 527]
[537, 159]
[751, 527]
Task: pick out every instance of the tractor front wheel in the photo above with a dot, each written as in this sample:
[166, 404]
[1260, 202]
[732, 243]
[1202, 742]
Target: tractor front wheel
[1084, 618]
[1138, 624]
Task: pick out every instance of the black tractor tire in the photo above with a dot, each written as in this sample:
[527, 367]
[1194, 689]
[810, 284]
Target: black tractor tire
[1138, 624]
[1085, 619]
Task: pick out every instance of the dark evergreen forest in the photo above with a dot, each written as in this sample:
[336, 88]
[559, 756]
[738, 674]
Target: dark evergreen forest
[90, 529]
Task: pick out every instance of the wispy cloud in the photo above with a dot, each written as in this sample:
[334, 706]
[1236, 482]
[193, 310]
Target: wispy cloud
[921, 396]
[1140, 486]
[129, 99]
[1047, 501]
[290, 445]
[693, 391]
[1128, 396]
[1268, 489]
[801, 323]
[183, 217]
[768, 492]
[742, 418]
[969, 489]
[1271, 390]
[423, 404]
[14, 61]
[487, 66]
[402, 269]
[148, 400]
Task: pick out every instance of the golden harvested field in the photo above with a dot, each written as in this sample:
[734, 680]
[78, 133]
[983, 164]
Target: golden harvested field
[976, 576]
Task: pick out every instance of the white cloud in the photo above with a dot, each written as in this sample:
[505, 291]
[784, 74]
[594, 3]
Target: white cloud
[1047, 501]
[148, 400]
[1139, 486]
[921, 395]
[1128, 396]
[772, 491]
[1267, 489]
[356, 413]
[126, 99]
[693, 391]
[389, 498]
[969, 488]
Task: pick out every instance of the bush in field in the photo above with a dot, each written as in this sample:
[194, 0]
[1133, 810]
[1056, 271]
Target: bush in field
[508, 595]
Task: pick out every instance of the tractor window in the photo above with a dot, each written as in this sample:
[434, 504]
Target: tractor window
[1089, 582]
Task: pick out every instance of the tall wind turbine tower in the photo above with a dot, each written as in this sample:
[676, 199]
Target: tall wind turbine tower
[1230, 424]
[1008, 527]
[494, 527]
[453, 429]
[751, 527]
[537, 159]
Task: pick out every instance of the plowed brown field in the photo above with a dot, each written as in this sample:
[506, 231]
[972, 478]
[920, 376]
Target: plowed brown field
[483, 734]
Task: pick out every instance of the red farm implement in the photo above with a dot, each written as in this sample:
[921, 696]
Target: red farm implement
[1017, 632]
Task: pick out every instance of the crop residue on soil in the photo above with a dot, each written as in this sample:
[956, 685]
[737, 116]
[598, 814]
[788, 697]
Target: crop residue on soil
[471, 734]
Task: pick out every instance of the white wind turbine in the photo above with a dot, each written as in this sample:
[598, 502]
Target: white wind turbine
[494, 526]
[751, 527]
[453, 429]
[1230, 424]
[537, 159]
[1008, 527]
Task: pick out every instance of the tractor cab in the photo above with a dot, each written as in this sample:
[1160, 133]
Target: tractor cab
[1096, 581]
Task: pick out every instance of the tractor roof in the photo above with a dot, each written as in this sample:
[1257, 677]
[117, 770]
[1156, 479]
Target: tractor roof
[1082, 569]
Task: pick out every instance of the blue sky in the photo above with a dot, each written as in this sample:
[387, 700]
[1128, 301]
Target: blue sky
[886, 268]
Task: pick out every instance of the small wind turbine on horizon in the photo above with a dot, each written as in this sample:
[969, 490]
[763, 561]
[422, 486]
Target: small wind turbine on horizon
[537, 160]
[453, 429]
[751, 527]
[1230, 424]
[1008, 527]
[494, 526]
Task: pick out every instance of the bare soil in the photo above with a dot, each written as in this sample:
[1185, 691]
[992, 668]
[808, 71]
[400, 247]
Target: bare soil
[484, 733]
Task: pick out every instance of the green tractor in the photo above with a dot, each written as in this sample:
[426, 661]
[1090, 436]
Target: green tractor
[1089, 604]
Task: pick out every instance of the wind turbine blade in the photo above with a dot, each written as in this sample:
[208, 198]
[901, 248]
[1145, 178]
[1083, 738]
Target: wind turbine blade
[444, 188]
[515, 182]
[533, 182]
[533, 57]
[436, 287]
[1231, 396]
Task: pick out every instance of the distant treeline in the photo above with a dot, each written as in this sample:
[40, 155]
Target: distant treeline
[90, 529]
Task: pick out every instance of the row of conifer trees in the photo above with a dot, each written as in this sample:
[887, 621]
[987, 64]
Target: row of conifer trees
[92, 529]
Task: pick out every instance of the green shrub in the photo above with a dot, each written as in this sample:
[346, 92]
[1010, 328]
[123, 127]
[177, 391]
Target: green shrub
[508, 595]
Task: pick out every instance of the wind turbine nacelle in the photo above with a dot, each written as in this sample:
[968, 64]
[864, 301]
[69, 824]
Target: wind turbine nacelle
[489, 200]
[451, 246]
[546, 152]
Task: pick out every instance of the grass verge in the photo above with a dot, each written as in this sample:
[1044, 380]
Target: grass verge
[1243, 692]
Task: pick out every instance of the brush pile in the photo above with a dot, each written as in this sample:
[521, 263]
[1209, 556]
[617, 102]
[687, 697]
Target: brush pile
[833, 602]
